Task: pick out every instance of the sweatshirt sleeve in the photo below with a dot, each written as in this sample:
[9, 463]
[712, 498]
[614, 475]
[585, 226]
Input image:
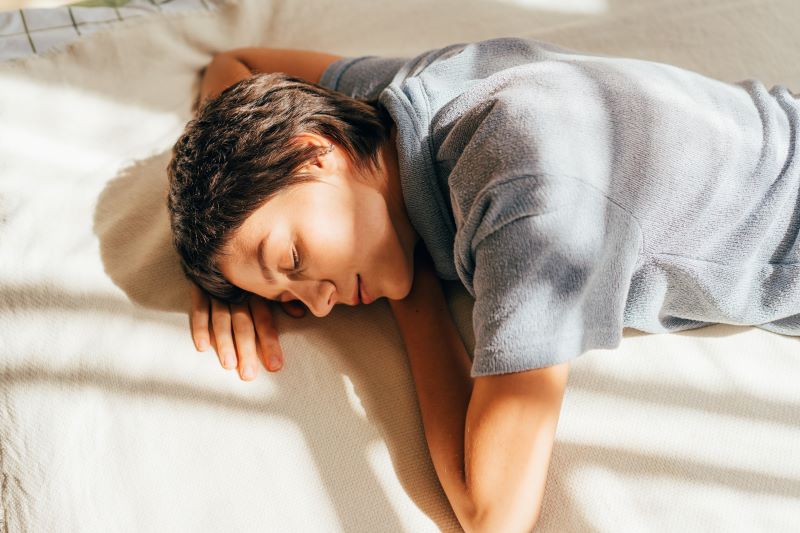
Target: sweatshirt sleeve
[361, 77]
[551, 286]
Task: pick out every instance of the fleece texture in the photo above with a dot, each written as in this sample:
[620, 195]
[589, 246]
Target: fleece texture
[575, 194]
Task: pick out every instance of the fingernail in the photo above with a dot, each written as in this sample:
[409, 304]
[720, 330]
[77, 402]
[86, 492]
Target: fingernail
[274, 361]
[202, 345]
[247, 373]
[230, 361]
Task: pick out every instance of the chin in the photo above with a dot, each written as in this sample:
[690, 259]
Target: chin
[406, 289]
[400, 291]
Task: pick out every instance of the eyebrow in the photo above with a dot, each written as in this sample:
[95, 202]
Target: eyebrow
[264, 268]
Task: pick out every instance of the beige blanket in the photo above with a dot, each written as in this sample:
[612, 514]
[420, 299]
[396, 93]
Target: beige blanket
[111, 421]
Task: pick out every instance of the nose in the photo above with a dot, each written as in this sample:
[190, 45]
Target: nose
[318, 297]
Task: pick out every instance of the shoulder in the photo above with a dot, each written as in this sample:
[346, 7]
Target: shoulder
[505, 198]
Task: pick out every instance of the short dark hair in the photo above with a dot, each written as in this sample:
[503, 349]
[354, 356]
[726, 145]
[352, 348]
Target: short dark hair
[237, 153]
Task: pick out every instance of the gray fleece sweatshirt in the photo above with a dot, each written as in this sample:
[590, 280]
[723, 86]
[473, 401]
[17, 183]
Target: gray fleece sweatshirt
[574, 194]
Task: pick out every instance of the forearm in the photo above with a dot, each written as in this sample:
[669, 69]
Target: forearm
[228, 67]
[440, 367]
[222, 72]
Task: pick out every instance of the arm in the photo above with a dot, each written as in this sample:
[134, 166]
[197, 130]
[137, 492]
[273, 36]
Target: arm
[511, 426]
[227, 68]
[467, 421]
[440, 367]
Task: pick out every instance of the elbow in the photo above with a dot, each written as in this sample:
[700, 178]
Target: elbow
[222, 53]
[495, 520]
[214, 64]
[224, 59]
[220, 57]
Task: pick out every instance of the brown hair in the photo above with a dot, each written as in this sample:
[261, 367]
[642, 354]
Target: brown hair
[237, 154]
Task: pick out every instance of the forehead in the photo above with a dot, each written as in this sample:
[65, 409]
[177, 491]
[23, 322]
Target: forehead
[257, 225]
[285, 212]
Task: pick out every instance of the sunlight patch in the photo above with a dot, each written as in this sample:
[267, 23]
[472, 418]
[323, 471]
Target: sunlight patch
[571, 6]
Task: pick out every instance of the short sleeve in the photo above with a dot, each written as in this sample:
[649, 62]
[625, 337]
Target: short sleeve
[549, 287]
[362, 77]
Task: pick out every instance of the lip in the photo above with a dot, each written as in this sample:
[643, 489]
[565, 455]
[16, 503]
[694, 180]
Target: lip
[365, 298]
[356, 299]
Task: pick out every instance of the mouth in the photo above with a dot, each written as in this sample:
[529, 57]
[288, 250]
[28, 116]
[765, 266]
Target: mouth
[363, 295]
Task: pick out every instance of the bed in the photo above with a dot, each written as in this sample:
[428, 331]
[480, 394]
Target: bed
[110, 420]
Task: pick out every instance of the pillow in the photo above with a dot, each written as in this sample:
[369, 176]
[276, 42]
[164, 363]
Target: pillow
[32, 31]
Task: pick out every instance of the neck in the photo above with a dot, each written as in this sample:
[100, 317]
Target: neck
[397, 207]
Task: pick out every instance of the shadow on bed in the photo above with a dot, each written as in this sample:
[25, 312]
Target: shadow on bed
[132, 225]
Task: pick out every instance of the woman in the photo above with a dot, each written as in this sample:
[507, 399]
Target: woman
[572, 194]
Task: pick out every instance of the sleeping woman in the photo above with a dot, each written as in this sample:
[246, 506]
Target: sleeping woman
[572, 194]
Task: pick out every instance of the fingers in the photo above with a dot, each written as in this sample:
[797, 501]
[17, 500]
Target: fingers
[221, 323]
[242, 334]
[270, 349]
[198, 318]
[245, 337]
[214, 344]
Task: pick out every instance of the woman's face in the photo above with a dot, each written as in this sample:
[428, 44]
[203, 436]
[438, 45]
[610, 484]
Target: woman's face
[337, 228]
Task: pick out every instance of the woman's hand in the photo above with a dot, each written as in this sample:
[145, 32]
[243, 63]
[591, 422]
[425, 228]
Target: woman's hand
[249, 325]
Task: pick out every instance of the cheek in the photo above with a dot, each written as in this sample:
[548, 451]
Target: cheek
[377, 237]
[331, 242]
[390, 262]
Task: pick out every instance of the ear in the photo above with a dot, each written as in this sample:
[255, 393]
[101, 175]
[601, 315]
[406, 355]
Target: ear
[322, 144]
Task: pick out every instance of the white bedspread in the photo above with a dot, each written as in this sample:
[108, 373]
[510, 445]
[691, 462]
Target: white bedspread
[110, 421]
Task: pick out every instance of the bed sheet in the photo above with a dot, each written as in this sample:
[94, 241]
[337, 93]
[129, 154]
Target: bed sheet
[110, 421]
